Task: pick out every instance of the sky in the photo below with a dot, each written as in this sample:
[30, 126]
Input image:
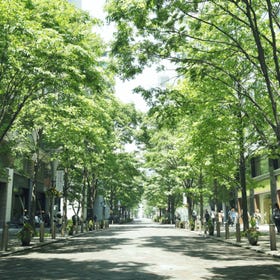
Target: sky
[150, 78]
[124, 90]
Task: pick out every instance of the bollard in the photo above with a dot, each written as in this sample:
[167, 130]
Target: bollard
[42, 232]
[218, 228]
[238, 235]
[5, 237]
[226, 230]
[272, 237]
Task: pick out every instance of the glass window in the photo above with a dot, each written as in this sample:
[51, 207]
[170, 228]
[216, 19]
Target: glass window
[259, 166]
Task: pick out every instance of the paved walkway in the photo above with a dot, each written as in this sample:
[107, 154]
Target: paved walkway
[263, 246]
[14, 244]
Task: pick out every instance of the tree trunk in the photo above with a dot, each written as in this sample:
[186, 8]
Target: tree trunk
[242, 174]
[201, 198]
[83, 218]
[252, 202]
[187, 186]
[65, 196]
[273, 185]
[190, 207]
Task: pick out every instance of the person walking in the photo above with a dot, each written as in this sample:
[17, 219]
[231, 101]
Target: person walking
[221, 217]
[207, 219]
[257, 216]
[232, 217]
[207, 216]
[276, 217]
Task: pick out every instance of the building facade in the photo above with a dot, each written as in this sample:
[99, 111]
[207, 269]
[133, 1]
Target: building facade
[259, 189]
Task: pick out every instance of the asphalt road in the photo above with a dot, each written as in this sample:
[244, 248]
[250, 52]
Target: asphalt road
[140, 251]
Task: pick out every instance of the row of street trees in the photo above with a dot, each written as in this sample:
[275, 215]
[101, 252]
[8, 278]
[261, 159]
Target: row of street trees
[56, 84]
[223, 109]
[57, 104]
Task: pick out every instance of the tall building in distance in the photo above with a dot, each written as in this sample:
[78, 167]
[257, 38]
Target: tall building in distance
[77, 3]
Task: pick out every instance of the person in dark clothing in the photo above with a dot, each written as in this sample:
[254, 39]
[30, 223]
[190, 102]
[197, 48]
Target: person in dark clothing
[194, 215]
[276, 217]
[207, 216]
[208, 222]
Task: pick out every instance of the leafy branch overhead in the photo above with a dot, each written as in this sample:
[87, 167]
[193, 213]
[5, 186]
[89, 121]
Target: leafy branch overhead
[44, 51]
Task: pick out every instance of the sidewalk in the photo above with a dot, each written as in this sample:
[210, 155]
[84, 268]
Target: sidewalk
[14, 244]
[263, 245]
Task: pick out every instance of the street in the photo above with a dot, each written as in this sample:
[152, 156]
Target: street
[140, 251]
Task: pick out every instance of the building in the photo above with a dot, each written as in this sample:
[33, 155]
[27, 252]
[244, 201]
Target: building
[258, 193]
[16, 188]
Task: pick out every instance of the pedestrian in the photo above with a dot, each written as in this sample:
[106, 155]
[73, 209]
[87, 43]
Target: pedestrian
[90, 225]
[58, 220]
[221, 217]
[194, 216]
[207, 219]
[230, 221]
[75, 219]
[207, 216]
[233, 215]
[257, 216]
[213, 216]
[276, 217]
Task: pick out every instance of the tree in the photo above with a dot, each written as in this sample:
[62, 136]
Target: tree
[44, 51]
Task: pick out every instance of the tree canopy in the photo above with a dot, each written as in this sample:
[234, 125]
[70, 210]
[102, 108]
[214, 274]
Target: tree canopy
[226, 57]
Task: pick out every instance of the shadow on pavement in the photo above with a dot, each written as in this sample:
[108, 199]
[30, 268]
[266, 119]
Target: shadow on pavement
[56, 268]
[77, 245]
[261, 272]
[200, 247]
[208, 249]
